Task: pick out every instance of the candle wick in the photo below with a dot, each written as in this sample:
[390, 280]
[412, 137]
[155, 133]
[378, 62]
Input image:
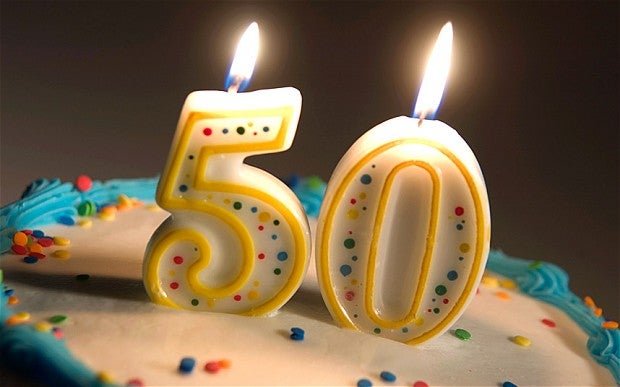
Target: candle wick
[422, 116]
[236, 83]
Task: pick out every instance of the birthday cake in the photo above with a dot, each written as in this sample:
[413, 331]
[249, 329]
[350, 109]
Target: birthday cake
[74, 312]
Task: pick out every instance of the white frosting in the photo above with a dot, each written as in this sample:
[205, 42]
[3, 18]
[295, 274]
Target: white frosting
[112, 326]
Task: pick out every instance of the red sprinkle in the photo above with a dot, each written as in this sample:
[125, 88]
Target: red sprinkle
[37, 255]
[420, 383]
[21, 250]
[27, 232]
[83, 183]
[135, 382]
[213, 367]
[237, 297]
[548, 322]
[45, 241]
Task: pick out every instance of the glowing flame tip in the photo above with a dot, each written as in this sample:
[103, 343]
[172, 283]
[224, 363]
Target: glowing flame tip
[435, 76]
[242, 65]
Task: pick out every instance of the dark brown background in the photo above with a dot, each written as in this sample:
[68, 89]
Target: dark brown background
[96, 88]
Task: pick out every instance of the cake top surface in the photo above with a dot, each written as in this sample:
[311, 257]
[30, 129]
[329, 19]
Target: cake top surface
[110, 310]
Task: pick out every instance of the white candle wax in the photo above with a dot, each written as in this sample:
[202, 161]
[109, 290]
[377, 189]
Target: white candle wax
[404, 231]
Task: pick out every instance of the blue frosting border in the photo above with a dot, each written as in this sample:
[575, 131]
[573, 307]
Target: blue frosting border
[45, 202]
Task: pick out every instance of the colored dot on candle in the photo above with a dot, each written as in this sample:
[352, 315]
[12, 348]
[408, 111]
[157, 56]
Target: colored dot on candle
[265, 129]
[352, 214]
[237, 205]
[225, 131]
[277, 271]
[174, 285]
[452, 275]
[282, 256]
[458, 211]
[345, 270]
[237, 297]
[441, 290]
[207, 131]
[241, 130]
[261, 256]
[195, 302]
[178, 260]
[353, 201]
[349, 243]
[464, 247]
[264, 216]
[183, 188]
[253, 295]
[366, 179]
[350, 295]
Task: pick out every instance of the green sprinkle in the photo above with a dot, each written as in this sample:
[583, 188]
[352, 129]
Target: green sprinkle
[277, 271]
[535, 265]
[82, 277]
[57, 319]
[194, 302]
[314, 182]
[377, 330]
[237, 205]
[462, 334]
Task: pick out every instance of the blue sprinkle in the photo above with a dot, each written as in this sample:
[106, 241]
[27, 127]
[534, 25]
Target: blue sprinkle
[388, 376]
[364, 383]
[9, 292]
[254, 209]
[63, 219]
[183, 188]
[282, 256]
[298, 334]
[30, 259]
[38, 233]
[345, 270]
[508, 384]
[187, 365]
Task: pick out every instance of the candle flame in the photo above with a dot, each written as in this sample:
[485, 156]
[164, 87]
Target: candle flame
[243, 63]
[435, 76]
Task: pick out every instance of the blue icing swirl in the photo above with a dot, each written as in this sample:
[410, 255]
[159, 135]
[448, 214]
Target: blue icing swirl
[549, 283]
[40, 354]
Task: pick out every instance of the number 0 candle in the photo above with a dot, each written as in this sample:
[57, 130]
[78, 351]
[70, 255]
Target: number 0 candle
[404, 231]
[237, 240]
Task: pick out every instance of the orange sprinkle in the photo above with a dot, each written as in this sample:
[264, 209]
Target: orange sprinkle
[610, 325]
[18, 318]
[225, 363]
[107, 215]
[589, 302]
[503, 295]
[13, 300]
[20, 239]
[108, 210]
[598, 312]
[35, 248]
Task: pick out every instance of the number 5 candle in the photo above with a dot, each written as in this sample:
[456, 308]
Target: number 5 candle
[237, 240]
[404, 230]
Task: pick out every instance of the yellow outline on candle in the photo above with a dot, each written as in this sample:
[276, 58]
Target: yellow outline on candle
[167, 200]
[324, 241]
[428, 250]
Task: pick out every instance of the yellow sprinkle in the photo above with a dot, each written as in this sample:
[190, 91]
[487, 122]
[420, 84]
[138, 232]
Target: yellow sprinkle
[490, 281]
[353, 282]
[13, 300]
[503, 295]
[226, 201]
[589, 302]
[43, 326]
[108, 210]
[522, 341]
[107, 216]
[352, 214]
[362, 195]
[253, 295]
[610, 325]
[61, 254]
[85, 223]
[105, 377]
[507, 283]
[17, 318]
[153, 207]
[61, 241]
[124, 200]
[210, 302]
[598, 312]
